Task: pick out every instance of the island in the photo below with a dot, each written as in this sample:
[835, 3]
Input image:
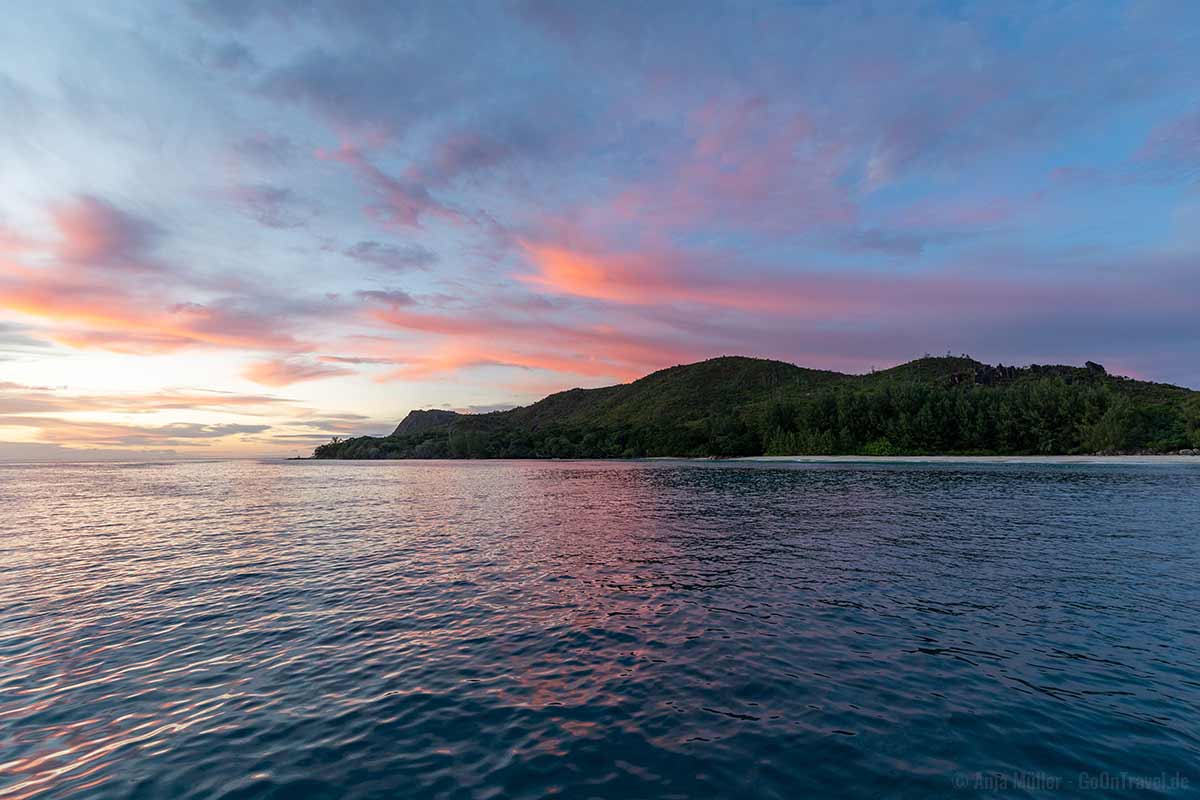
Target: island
[737, 406]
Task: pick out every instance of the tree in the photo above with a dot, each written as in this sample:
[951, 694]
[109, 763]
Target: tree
[1112, 431]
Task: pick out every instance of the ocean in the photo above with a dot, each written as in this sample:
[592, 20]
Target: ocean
[302, 629]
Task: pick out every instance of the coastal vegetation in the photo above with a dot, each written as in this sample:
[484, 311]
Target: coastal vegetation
[735, 406]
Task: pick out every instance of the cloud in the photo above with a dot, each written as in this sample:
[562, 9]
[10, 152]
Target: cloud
[890, 242]
[104, 291]
[230, 56]
[96, 233]
[643, 278]
[42, 451]
[20, 339]
[367, 360]
[467, 152]
[88, 433]
[486, 409]
[284, 372]
[402, 202]
[482, 338]
[373, 20]
[346, 423]
[656, 279]
[13, 243]
[1173, 148]
[392, 298]
[394, 258]
[644, 184]
[48, 414]
[369, 94]
[96, 315]
[265, 149]
[233, 14]
[273, 206]
[17, 398]
[748, 164]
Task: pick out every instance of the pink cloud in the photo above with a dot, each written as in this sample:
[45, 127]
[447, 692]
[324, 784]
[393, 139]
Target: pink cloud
[101, 291]
[13, 243]
[401, 202]
[748, 165]
[284, 372]
[20, 399]
[671, 277]
[1176, 141]
[467, 152]
[476, 339]
[660, 278]
[92, 434]
[94, 232]
[106, 315]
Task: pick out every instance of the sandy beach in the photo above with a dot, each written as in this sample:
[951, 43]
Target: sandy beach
[1090, 460]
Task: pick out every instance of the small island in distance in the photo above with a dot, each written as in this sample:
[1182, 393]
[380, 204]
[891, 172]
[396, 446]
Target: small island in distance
[736, 406]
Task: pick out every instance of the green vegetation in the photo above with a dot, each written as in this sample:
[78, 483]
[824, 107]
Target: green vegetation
[736, 406]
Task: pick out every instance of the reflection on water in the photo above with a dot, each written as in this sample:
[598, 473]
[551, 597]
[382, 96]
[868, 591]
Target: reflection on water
[515, 629]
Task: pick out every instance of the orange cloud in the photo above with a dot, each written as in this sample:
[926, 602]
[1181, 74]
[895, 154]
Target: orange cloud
[89, 434]
[45, 420]
[661, 278]
[97, 286]
[466, 354]
[650, 280]
[108, 317]
[20, 399]
[481, 339]
[102, 291]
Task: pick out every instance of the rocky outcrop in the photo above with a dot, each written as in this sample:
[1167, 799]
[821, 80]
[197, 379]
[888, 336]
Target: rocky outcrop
[420, 421]
[987, 375]
[1145, 452]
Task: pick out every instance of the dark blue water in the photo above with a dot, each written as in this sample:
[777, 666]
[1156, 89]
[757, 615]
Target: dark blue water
[516, 630]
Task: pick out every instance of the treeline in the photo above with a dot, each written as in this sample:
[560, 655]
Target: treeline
[1045, 416]
[723, 436]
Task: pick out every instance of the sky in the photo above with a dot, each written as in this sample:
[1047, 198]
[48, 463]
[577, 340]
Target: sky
[241, 227]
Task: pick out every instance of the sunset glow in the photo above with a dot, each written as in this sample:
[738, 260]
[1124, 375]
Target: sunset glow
[244, 228]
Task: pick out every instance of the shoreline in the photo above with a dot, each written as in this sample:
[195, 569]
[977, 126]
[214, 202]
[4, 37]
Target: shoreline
[1116, 461]
[1096, 460]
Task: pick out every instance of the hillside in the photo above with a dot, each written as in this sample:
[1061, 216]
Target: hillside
[746, 406]
[422, 421]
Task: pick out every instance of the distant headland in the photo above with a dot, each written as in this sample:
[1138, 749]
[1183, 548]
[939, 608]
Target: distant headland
[736, 406]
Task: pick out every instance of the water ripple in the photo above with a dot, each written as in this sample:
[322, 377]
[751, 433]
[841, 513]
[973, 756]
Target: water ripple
[367, 630]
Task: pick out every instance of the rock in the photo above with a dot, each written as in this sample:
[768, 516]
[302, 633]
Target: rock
[420, 421]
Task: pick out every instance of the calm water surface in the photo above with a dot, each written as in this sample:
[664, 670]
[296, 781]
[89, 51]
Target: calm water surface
[513, 630]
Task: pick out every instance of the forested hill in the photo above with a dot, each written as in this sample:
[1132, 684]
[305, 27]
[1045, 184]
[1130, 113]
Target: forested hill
[734, 406]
